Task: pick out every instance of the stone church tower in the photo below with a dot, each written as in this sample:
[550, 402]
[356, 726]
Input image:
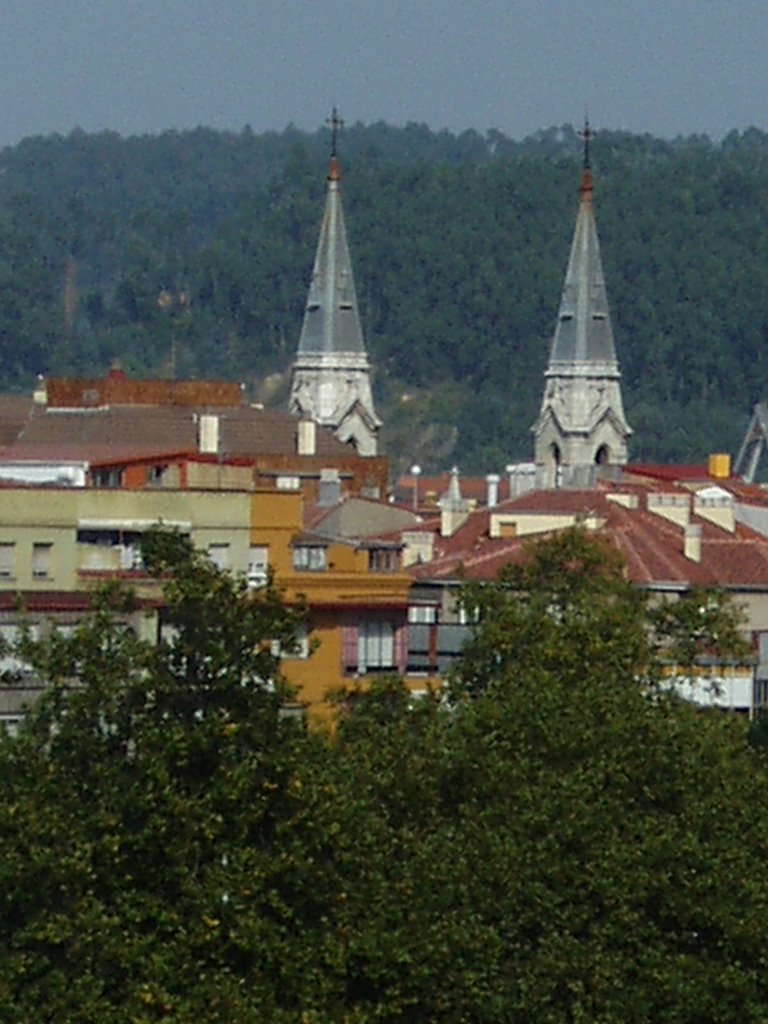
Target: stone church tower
[581, 424]
[331, 379]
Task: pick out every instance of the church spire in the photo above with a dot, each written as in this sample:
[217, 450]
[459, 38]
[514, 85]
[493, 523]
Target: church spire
[581, 423]
[331, 379]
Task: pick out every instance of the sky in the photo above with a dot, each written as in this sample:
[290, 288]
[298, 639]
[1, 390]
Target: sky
[668, 67]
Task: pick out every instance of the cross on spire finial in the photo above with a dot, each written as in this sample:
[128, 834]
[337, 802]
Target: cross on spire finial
[586, 135]
[335, 123]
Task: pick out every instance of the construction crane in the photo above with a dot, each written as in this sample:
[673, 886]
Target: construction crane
[753, 444]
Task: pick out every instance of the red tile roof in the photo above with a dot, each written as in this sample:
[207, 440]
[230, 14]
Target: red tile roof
[659, 471]
[653, 547]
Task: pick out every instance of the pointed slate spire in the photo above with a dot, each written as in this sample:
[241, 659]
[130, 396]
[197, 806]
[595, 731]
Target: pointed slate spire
[452, 496]
[331, 378]
[581, 424]
[454, 510]
[583, 336]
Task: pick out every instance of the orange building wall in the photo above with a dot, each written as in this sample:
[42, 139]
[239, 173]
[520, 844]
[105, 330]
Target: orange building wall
[275, 520]
[317, 676]
[342, 593]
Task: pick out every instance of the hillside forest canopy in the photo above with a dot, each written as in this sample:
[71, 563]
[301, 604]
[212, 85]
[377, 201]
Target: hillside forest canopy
[563, 840]
[459, 243]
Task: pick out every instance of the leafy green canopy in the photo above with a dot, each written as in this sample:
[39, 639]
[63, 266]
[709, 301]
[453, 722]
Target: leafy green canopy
[562, 844]
[568, 604]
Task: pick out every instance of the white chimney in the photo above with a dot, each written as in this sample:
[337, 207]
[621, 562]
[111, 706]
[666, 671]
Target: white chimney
[208, 434]
[306, 437]
[692, 543]
[492, 482]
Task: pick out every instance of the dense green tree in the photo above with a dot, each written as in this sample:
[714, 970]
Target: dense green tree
[559, 842]
[567, 842]
[141, 805]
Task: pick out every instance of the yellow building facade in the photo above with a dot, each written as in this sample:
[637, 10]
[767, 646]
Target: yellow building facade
[57, 544]
[357, 601]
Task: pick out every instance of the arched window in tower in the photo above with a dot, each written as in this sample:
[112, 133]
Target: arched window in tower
[603, 455]
[557, 470]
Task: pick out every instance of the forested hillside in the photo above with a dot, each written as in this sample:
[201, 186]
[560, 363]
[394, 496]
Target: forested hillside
[459, 243]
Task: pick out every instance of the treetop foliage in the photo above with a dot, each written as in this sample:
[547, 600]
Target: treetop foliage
[569, 603]
[563, 844]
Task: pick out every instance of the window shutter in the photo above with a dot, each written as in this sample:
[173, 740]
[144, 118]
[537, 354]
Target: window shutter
[7, 551]
[349, 648]
[401, 648]
[41, 561]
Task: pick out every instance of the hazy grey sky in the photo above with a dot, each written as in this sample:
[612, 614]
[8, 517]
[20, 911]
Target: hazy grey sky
[664, 66]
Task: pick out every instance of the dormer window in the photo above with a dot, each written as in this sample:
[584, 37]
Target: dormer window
[383, 560]
[107, 477]
[309, 558]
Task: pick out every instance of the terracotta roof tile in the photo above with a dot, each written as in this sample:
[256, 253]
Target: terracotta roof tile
[652, 546]
[15, 410]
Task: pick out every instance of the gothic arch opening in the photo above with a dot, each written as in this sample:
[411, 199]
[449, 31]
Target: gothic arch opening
[603, 455]
[556, 471]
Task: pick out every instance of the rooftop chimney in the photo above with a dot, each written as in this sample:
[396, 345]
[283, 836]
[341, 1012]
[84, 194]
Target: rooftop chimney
[692, 542]
[306, 437]
[329, 491]
[492, 483]
[208, 434]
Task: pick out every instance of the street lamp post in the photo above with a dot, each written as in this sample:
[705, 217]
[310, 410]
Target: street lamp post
[415, 473]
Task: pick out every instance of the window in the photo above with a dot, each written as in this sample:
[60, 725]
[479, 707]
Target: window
[66, 630]
[298, 649]
[10, 724]
[130, 555]
[107, 477]
[309, 558]
[219, 555]
[167, 632]
[288, 483]
[421, 639]
[467, 616]
[383, 560]
[41, 561]
[7, 555]
[375, 646]
[258, 563]
[422, 613]
[156, 475]
[108, 549]
[602, 455]
[12, 665]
